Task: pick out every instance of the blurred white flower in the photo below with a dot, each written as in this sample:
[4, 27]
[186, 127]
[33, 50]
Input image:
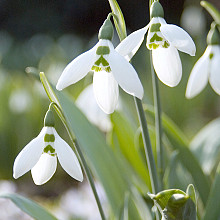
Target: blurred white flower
[40, 156]
[80, 203]
[8, 210]
[164, 40]
[20, 101]
[110, 69]
[193, 20]
[88, 105]
[207, 67]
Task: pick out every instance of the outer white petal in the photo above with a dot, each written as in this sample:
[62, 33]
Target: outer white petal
[77, 69]
[87, 103]
[129, 46]
[178, 38]
[167, 65]
[44, 169]
[29, 156]
[67, 158]
[125, 75]
[199, 75]
[105, 90]
[214, 77]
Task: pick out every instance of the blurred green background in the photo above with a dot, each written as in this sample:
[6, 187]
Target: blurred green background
[48, 34]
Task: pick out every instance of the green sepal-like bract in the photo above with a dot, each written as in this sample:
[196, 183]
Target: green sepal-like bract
[175, 204]
[156, 10]
[106, 31]
[213, 35]
[49, 119]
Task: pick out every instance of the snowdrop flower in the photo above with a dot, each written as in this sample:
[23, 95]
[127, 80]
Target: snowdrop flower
[164, 40]
[88, 105]
[207, 67]
[40, 155]
[110, 69]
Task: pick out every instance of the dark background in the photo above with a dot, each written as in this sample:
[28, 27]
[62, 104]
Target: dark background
[24, 18]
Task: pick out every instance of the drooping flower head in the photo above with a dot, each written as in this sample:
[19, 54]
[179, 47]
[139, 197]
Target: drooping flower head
[110, 69]
[207, 67]
[164, 40]
[40, 155]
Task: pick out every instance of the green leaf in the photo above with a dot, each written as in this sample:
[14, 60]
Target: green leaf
[119, 21]
[213, 11]
[206, 146]
[126, 135]
[30, 207]
[100, 157]
[212, 210]
[187, 158]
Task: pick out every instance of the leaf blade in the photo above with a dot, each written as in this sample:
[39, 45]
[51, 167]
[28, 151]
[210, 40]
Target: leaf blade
[29, 206]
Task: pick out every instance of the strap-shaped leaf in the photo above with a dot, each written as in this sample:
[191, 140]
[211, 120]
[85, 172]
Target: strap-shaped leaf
[119, 19]
[29, 206]
[212, 210]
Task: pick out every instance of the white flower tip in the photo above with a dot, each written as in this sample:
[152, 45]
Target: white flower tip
[171, 83]
[193, 52]
[15, 175]
[141, 93]
[59, 87]
[190, 93]
[79, 177]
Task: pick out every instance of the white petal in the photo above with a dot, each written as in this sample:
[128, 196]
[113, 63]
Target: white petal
[125, 75]
[67, 158]
[167, 65]
[44, 169]
[199, 75]
[178, 38]
[29, 156]
[129, 46]
[105, 90]
[214, 77]
[77, 69]
[87, 103]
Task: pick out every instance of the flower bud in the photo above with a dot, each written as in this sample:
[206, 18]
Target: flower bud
[213, 35]
[106, 31]
[49, 119]
[156, 10]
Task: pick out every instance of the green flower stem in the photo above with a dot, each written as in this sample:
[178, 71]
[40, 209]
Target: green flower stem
[158, 124]
[147, 147]
[80, 154]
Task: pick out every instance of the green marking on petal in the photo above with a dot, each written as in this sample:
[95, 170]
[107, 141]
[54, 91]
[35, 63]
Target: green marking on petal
[166, 44]
[97, 69]
[49, 138]
[156, 38]
[153, 46]
[103, 50]
[211, 55]
[102, 61]
[155, 27]
[49, 150]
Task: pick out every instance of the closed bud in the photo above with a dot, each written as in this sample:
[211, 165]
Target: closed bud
[49, 119]
[106, 31]
[156, 10]
[213, 35]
